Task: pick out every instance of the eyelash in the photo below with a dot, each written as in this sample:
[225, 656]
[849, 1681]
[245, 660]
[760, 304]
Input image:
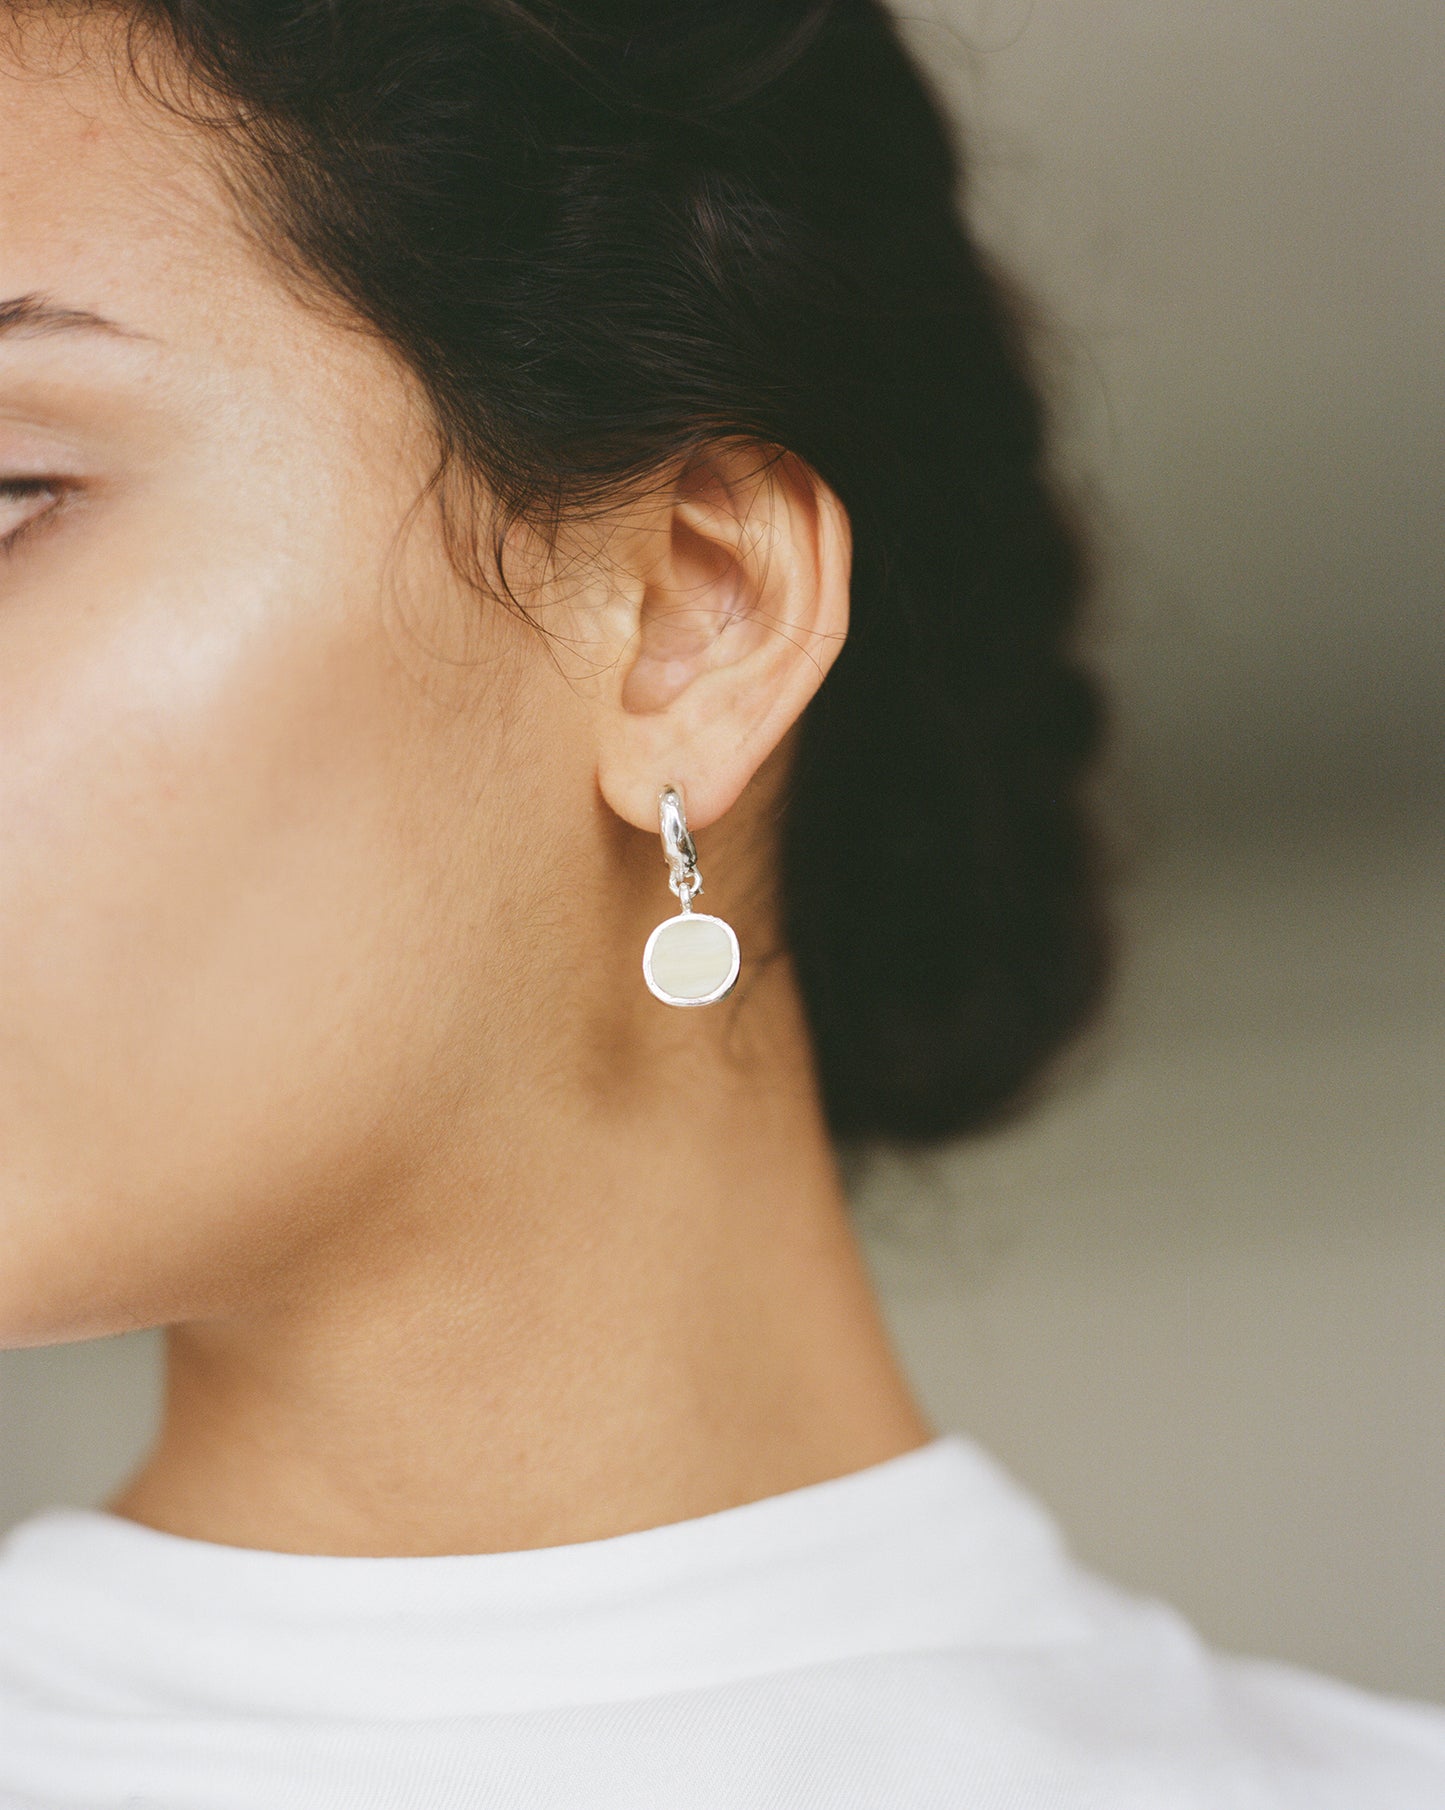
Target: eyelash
[13, 488]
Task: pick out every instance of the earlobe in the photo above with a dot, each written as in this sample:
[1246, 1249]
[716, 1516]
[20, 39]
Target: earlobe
[735, 625]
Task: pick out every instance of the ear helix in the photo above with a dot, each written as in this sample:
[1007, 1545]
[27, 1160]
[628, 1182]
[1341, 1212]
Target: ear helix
[691, 959]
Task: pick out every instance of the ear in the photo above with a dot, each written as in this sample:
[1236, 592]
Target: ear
[731, 606]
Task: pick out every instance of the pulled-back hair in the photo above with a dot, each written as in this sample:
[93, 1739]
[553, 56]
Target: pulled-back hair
[606, 233]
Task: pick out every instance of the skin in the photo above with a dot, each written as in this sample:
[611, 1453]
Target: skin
[323, 888]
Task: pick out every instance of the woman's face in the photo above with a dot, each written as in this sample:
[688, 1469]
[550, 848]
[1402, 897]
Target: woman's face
[254, 742]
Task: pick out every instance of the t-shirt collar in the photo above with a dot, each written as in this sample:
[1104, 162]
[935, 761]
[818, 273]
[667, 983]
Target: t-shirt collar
[935, 1548]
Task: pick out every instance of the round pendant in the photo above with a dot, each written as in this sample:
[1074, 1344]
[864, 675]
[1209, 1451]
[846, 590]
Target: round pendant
[691, 960]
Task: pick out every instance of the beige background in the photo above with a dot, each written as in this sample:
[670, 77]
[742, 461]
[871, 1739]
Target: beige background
[1196, 1300]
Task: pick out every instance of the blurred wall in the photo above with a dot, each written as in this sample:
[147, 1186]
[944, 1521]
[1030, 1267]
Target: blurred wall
[1196, 1299]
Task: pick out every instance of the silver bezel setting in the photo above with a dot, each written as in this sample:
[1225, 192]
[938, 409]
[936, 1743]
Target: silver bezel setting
[702, 999]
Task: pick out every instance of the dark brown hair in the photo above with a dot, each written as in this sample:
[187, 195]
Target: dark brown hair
[607, 232]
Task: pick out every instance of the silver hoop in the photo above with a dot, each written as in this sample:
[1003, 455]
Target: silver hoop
[677, 844]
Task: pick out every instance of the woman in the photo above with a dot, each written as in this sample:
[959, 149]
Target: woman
[473, 469]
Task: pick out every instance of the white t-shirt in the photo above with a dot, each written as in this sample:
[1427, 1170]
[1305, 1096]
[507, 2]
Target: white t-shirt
[910, 1637]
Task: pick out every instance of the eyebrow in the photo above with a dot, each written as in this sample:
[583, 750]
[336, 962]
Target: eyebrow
[37, 314]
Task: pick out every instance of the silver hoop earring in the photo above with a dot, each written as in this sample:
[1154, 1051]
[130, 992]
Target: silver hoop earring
[691, 959]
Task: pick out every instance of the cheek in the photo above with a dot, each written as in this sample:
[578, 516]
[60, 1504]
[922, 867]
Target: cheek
[220, 912]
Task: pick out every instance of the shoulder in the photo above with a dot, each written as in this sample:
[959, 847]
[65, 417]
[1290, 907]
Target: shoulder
[1135, 1711]
[1007, 1676]
[1330, 1744]
[1129, 1711]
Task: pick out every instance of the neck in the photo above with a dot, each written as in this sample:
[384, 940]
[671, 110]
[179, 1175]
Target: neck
[580, 1318]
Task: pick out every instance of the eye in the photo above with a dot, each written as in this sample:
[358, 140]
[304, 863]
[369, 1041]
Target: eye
[15, 494]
